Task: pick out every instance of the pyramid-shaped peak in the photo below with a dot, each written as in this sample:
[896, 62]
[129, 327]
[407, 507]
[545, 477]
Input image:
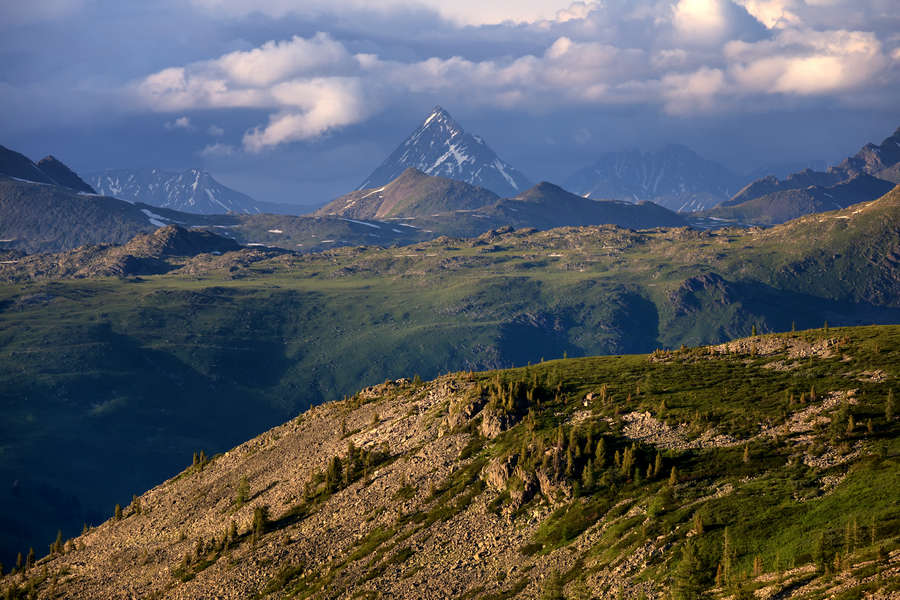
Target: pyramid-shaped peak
[440, 147]
[439, 116]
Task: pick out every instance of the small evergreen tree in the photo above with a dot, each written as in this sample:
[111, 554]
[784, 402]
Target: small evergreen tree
[260, 522]
[687, 583]
[135, 504]
[698, 523]
[746, 453]
[243, 491]
[334, 475]
[673, 477]
[117, 512]
[19, 561]
[552, 588]
[29, 560]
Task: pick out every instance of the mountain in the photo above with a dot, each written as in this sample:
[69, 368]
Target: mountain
[440, 147]
[48, 170]
[63, 175]
[411, 194]
[780, 206]
[709, 472]
[447, 207]
[191, 191]
[546, 206]
[38, 217]
[132, 375]
[49, 218]
[870, 160]
[674, 177]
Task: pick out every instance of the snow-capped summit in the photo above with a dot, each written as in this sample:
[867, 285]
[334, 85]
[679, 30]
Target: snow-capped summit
[193, 190]
[441, 147]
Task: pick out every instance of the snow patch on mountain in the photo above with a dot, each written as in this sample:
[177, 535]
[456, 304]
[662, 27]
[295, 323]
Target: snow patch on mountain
[441, 147]
[192, 191]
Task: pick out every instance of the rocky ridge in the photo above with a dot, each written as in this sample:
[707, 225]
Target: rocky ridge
[431, 490]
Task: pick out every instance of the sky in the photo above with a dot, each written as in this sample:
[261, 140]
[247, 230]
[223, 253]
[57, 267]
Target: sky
[298, 102]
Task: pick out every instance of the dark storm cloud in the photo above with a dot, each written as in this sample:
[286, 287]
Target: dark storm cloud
[300, 106]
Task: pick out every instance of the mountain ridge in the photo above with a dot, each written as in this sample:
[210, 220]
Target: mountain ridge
[871, 160]
[440, 146]
[674, 177]
[191, 190]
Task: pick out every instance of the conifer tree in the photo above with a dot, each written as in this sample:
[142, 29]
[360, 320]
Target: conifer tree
[727, 556]
[552, 588]
[243, 491]
[673, 477]
[600, 453]
[587, 477]
[698, 524]
[117, 512]
[746, 453]
[657, 465]
[19, 560]
[687, 584]
[29, 560]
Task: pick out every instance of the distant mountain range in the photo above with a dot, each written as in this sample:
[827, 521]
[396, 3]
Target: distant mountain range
[192, 191]
[49, 170]
[440, 146]
[674, 177]
[442, 205]
[865, 176]
[784, 205]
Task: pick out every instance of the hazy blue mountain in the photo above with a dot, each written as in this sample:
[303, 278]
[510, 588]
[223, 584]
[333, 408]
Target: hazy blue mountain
[876, 160]
[674, 177]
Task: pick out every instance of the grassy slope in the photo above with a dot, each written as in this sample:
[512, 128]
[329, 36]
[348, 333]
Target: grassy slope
[171, 364]
[786, 505]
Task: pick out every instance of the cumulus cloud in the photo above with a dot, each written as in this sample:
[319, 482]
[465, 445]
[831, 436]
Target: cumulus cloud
[469, 12]
[807, 62]
[215, 131]
[179, 123]
[218, 150]
[683, 56]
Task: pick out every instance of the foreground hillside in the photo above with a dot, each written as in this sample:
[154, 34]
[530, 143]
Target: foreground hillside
[218, 347]
[766, 465]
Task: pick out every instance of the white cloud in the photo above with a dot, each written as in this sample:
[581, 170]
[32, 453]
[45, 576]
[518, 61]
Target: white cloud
[179, 123]
[215, 131]
[701, 19]
[684, 56]
[807, 62]
[469, 12]
[218, 150]
[323, 104]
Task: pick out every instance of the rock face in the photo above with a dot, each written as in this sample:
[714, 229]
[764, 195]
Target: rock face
[440, 146]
